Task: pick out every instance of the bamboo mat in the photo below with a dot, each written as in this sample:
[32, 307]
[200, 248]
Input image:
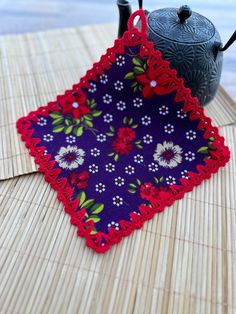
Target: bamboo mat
[182, 261]
[35, 67]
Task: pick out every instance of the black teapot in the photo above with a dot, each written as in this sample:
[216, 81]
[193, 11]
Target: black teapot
[189, 41]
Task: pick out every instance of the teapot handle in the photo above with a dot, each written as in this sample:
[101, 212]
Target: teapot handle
[230, 42]
[124, 13]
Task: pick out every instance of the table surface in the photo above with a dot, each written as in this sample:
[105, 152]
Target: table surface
[182, 261]
[33, 15]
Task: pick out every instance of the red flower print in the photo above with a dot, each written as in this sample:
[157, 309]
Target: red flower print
[153, 194]
[71, 105]
[155, 81]
[146, 190]
[122, 144]
[84, 175]
[127, 134]
[82, 185]
[163, 192]
[73, 178]
[79, 179]
[121, 147]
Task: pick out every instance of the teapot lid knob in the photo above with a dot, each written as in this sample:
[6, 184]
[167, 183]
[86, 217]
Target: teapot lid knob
[184, 13]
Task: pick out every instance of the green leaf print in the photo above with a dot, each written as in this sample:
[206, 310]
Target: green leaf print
[97, 208]
[58, 128]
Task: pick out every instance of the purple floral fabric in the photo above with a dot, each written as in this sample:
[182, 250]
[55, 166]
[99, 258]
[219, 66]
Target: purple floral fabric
[119, 140]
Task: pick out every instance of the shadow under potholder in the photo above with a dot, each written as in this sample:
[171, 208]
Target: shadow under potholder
[125, 142]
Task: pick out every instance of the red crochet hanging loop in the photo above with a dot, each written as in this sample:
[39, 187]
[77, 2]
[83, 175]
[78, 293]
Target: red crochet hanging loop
[143, 21]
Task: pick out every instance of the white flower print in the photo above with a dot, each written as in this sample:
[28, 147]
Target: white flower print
[138, 102]
[146, 120]
[100, 187]
[45, 152]
[70, 157]
[129, 170]
[42, 121]
[170, 180]
[119, 181]
[93, 168]
[163, 110]
[168, 155]
[117, 200]
[48, 137]
[138, 159]
[108, 118]
[118, 85]
[103, 78]
[191, 135]
[181, 114]
[95, 152]
[101, 138]
[147, 139]
[113, 224]
[121, 105]
[107, 99]
[110, 167]
[92, 87]
[153, 167]
[169, 128]
[120, 61]
[189, 156]
[70, 139]
[184, 174]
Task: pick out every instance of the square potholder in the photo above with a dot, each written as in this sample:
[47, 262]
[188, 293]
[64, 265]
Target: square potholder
[125, 142]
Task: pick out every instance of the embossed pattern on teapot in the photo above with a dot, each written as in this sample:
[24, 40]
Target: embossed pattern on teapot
[190, 42]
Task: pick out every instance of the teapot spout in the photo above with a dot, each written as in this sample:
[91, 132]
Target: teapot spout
[229, 43]
[124, 14]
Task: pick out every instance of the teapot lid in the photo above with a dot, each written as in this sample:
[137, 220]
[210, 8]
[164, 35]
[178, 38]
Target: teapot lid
[181, 25]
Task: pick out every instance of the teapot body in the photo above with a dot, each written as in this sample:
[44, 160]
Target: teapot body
[189, 41]
[192, 48]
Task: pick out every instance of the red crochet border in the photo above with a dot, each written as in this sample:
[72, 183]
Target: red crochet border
[102, 242]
